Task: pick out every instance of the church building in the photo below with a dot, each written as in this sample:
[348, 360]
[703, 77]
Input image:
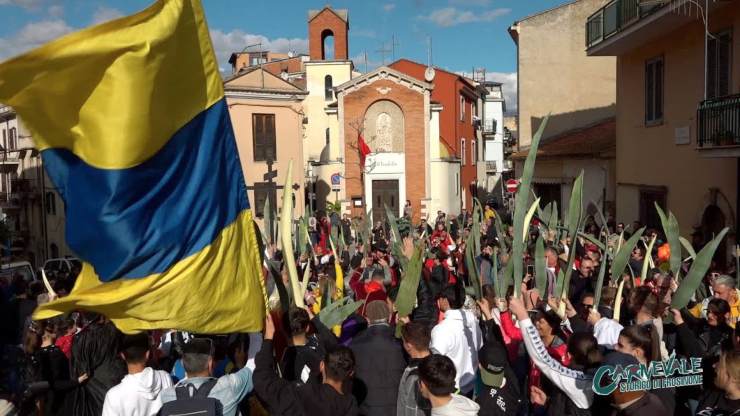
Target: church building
[327, 108]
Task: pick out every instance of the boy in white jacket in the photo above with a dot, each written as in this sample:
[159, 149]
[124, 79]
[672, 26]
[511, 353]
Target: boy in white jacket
[137, 393]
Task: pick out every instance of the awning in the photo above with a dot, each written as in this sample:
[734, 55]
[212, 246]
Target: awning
[595, 141]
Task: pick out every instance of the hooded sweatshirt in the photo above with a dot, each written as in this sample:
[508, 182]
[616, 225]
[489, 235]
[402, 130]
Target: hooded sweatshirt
[459, 337]
[137, 394]
[458, 406]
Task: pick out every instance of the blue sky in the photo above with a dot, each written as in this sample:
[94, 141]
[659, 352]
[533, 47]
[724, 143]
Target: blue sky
[465, 33]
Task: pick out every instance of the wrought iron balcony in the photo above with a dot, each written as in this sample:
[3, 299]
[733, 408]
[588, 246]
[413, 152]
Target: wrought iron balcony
[616, 16]
[489, 126]
[718, 122]
[24, 188]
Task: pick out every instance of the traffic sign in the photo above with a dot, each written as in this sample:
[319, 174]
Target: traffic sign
[512, 185]
[336, 181]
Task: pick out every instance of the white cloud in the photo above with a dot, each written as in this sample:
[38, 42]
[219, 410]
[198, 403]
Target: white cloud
[104, 14]
[389, 7]
[479, 3]
[32, 35]
[56, 11]
[26, 4]
[235, 41]
[451, 16]
[508, 79]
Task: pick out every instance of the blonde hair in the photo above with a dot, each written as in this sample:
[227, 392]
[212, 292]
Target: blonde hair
[730, 361]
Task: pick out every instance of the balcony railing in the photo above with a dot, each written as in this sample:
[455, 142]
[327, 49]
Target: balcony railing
[718, 122]
[489, 126]
[615, 17]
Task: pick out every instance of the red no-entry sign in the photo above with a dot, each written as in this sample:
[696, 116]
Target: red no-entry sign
[512, 185]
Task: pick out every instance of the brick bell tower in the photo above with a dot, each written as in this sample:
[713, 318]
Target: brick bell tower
[326, 23]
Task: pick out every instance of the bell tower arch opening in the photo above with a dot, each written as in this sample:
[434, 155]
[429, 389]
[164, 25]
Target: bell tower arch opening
[328, 34]
[328, 49]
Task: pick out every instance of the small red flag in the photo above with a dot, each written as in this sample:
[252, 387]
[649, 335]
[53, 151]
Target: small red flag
[364, 150]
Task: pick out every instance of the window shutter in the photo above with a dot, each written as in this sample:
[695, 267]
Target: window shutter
[712, 68]
[724, 63]
[270, 150]
[259, 139]
[649, 95]
[659, 89]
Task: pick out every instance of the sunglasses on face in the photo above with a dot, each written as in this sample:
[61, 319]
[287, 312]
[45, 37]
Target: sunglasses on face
[587, 306]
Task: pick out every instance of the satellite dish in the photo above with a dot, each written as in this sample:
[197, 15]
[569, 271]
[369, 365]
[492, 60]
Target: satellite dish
[429, 74]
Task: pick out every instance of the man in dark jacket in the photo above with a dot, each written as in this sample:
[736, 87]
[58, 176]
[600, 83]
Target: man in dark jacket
[283, 397]
[500, 395]
[301, 360]
[380, 363]
[581, 281]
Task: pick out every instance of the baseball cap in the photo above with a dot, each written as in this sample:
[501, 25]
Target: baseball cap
[493, 361]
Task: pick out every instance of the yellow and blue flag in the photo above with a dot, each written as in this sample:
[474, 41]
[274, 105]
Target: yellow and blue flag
[134, 132]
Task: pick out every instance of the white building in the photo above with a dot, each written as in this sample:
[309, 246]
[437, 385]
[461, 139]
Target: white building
[493, 165]
[32, 209]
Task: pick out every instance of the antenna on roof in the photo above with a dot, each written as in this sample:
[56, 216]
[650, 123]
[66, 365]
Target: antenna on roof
[260, 59]
[394, 42]
[479, 74]
[429, 72]
[382, 51]
[429, 51]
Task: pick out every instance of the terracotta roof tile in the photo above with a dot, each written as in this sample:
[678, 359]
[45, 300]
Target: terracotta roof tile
[596, 140]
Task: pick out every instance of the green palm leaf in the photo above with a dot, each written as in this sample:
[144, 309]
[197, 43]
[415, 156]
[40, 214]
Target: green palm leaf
[520, 208]
[698, 269]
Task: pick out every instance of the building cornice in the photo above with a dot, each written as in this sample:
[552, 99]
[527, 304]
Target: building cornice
[265, 94]
[384, 73]
[6, 110]
[317, 63]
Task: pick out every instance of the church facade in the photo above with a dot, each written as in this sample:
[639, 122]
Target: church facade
[332, 106]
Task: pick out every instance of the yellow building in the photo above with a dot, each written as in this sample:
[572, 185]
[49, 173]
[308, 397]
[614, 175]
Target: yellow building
[678, 130]
[557, 77]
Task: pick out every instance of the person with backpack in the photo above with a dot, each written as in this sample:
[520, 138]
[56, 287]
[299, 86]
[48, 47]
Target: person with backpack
[331, 397]
[199, 391]
[138, 392]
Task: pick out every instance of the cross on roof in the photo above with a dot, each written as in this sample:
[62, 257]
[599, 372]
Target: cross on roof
[271, 187]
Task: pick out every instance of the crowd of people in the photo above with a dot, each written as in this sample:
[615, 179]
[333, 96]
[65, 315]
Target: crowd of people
[520, 352]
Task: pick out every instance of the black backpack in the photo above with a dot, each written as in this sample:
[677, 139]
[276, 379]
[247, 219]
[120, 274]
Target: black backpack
[196, 403]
